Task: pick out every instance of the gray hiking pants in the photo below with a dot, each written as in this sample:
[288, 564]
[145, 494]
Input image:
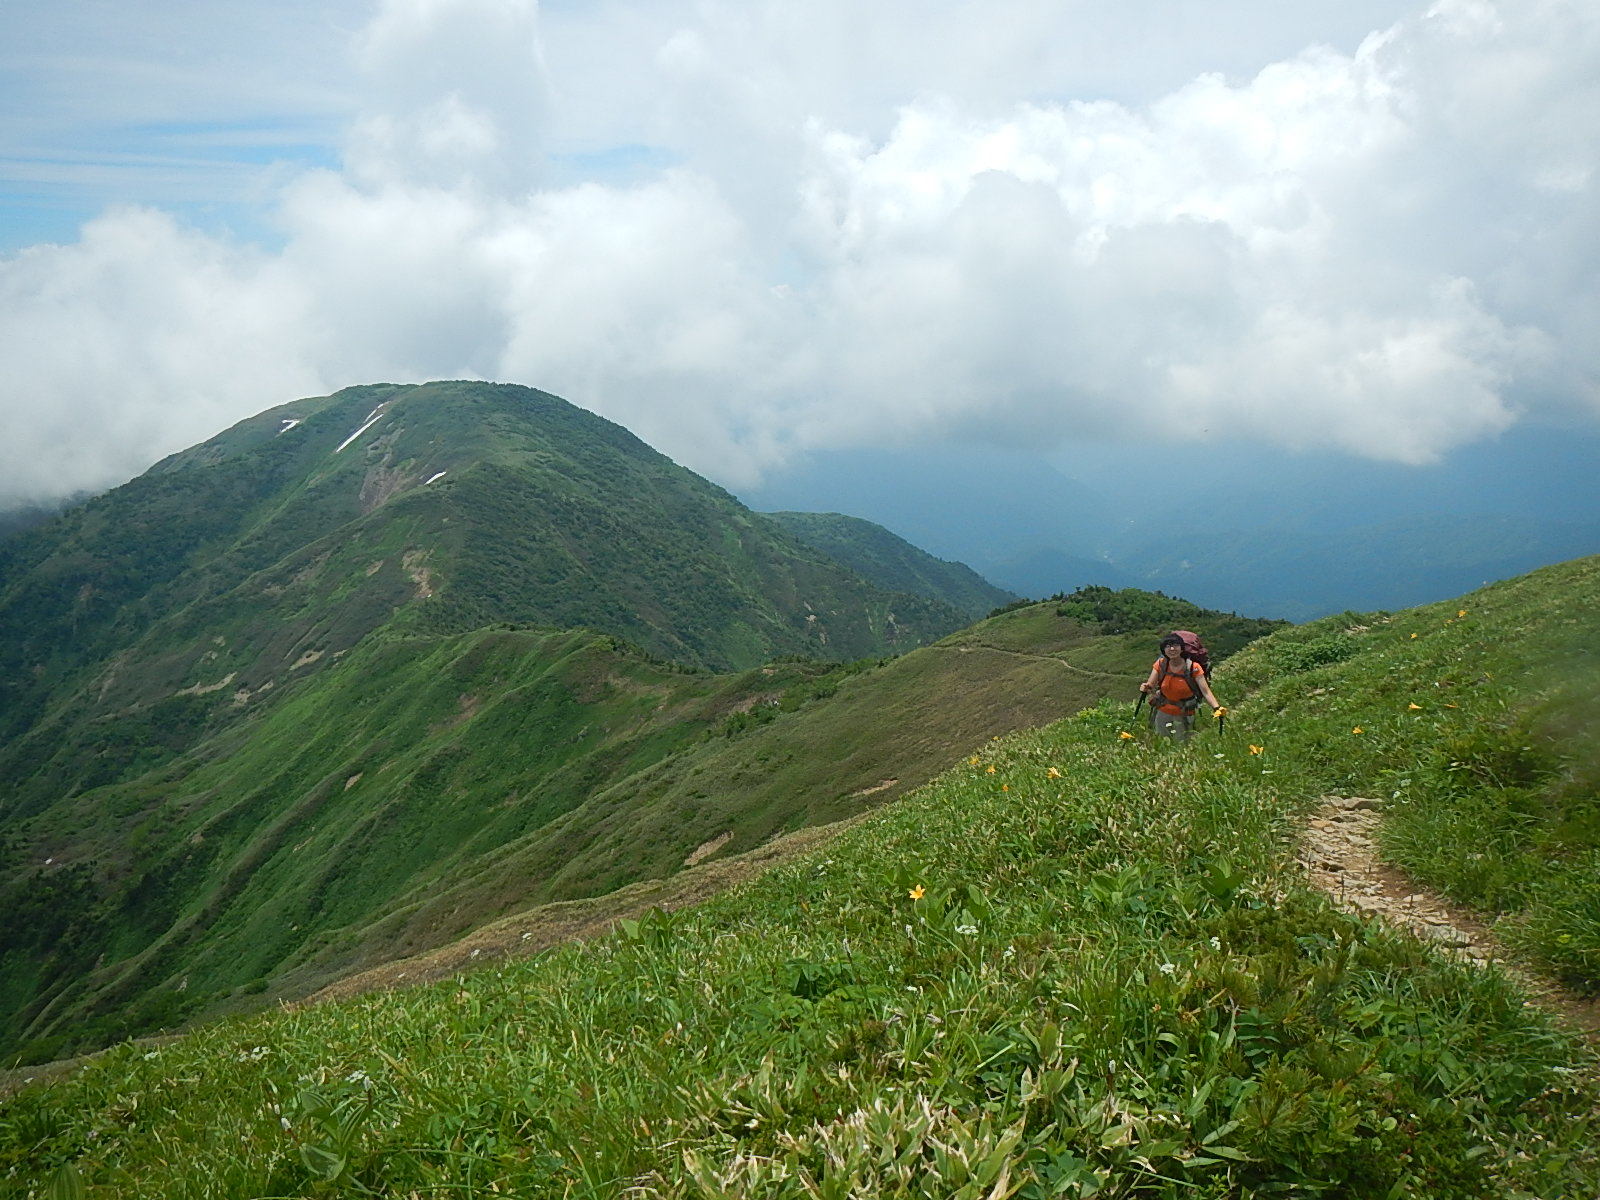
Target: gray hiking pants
[1177, 726]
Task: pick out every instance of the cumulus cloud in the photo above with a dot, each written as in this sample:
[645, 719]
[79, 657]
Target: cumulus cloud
[1387, 249]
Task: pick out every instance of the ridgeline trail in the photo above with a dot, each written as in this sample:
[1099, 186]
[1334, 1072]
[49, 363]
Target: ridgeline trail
[1087, 674]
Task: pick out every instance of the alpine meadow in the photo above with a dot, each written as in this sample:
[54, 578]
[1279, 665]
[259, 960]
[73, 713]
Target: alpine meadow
[433, 790]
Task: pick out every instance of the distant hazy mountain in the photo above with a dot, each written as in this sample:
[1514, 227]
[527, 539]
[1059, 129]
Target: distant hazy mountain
[1245, 527]
[893, 563]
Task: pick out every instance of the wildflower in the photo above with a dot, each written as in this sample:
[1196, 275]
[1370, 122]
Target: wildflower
[1414, 707]
[1257, 749]
[918, 892]
[1167, 968]
[973, 761]
[1053, 773]
[1005, 787]
[1216, 943]
[1462, 613]
[1125, 735]
[1358, 729]
[991, 769]
[1011, 952]
[1413, 637]
[967, 930]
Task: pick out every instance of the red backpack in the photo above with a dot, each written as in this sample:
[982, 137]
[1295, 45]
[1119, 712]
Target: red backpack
[1194, 653]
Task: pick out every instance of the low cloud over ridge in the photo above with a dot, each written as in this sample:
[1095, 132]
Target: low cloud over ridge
[1389, 251]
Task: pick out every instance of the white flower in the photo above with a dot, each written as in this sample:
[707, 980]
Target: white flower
[1216, 943]
[967, 930]
[1167, 968]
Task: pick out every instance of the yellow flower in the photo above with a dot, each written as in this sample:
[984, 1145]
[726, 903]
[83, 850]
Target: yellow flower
[1358, 729]
[1462, 613]
[1005, 787]
[973, 761]
[1053, 773]
[991, 769]
[1257, 749]
[1414, 707]
[918, 892]
[1125, 735]
[1413, 637]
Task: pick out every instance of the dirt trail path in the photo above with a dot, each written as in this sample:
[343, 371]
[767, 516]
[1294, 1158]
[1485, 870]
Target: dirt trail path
[969, 647]
[1339, 853]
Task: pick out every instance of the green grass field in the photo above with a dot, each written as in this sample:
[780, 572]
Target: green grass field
[1074, 964]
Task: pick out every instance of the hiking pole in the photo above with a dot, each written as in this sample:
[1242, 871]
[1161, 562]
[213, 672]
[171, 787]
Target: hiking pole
[1137, 704]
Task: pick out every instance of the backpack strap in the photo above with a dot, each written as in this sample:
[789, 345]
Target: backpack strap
[1192, 703]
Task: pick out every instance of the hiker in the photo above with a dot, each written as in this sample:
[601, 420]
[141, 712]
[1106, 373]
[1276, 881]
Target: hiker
[1176, 686]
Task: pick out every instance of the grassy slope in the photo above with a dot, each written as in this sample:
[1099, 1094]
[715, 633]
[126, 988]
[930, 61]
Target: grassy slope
[421, 786]
[1073, 965]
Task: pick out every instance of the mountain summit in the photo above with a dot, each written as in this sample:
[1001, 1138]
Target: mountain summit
[235, 567]
[199, 668]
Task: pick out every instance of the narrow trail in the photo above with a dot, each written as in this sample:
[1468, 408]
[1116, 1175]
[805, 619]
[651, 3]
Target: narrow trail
[1339, 853]
[969, 647]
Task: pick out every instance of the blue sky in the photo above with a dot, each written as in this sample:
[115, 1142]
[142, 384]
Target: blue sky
[759, 233]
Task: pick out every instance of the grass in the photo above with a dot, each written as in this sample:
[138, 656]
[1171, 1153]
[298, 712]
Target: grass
[1478, 724]
[419, 787]
[1073, 965]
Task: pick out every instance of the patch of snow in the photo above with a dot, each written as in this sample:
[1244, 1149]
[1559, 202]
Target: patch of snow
[371, 417]
[288, 424]
[440, 475]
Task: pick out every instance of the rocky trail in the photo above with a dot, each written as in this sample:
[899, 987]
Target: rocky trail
[1339, 853]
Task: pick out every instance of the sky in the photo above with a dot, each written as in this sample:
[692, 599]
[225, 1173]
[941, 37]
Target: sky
[760, 231]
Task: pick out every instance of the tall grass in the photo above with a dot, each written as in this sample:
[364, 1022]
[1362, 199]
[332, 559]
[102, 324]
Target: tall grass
[1074, 965]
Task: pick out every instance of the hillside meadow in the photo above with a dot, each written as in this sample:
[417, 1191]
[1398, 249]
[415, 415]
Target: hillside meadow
[1074, 964]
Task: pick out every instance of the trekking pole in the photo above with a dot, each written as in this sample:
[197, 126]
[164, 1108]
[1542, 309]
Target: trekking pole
[1137, 704]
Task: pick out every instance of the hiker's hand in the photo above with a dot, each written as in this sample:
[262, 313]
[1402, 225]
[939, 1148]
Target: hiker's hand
[1219, 711]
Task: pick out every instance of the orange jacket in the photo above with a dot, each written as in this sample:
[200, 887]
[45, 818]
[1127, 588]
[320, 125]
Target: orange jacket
[1175, 689]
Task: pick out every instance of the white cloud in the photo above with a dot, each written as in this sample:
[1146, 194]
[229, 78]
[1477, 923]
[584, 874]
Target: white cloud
[921, 223]
[132, 342]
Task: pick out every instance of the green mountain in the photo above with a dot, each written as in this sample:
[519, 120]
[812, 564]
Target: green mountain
[170, 607]
[893, 563]
[1072, 964]
[355, 677]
